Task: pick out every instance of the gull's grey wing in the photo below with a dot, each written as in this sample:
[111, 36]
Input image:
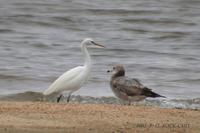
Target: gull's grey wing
[131, 87]
[137, 81]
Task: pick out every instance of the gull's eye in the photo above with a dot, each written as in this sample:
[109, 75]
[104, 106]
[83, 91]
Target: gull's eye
[114, 68]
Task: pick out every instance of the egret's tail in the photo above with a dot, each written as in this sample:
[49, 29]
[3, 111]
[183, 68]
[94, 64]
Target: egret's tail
[47, 91]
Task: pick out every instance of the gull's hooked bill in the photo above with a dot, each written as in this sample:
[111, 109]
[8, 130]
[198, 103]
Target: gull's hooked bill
[109, 71]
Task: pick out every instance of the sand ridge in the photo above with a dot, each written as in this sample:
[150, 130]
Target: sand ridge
[85, 118]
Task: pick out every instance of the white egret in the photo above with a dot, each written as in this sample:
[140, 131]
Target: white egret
[73, 79]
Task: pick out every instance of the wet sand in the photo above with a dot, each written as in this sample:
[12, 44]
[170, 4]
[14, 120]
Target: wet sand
[42, 117]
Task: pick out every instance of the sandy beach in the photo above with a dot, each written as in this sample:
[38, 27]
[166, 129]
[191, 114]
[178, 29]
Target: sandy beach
[41, 117]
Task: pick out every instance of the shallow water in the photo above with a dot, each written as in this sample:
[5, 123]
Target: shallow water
[157, 41]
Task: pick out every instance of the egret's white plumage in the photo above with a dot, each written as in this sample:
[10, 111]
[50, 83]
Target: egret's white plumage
[73, 79]
[65, 81]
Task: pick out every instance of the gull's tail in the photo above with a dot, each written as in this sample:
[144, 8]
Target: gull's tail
[149, 93]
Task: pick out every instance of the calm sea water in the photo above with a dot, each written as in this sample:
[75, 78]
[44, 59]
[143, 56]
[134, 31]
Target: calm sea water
[158, 42]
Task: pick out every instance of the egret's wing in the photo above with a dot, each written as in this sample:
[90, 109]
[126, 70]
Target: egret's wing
[63, 79]
[131, 87]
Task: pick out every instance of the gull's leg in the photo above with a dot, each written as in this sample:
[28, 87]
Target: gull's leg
[129, 102]
[58, 99]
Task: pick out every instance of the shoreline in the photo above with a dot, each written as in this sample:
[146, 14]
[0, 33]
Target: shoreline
[44, 117]
[30, 96]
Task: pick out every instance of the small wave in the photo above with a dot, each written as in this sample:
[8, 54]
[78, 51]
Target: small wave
[191, 58]
[159, 21]
[170, 35]
[23, 78]
[135, 30]
[26, 96]
[34, 22]
[6, 31]
[10, 77]
[36, 4]
[64, 19]
[40, 45]
[122, 11]
[165, 37]
[165, 34]
[176, 103]
[145, 51]
[43, 23]
[171, 69]
[21, 16]
[164, 103]
[186, 80]
[57, 44]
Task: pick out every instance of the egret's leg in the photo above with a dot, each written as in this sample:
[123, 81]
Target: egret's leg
[68, 98]
[69, 95]
[58, 99]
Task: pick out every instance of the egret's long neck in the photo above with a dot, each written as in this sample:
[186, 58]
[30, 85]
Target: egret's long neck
[86, 56]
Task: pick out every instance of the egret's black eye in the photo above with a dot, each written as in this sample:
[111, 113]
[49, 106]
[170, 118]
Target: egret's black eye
[113, 68]
[92, 42]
